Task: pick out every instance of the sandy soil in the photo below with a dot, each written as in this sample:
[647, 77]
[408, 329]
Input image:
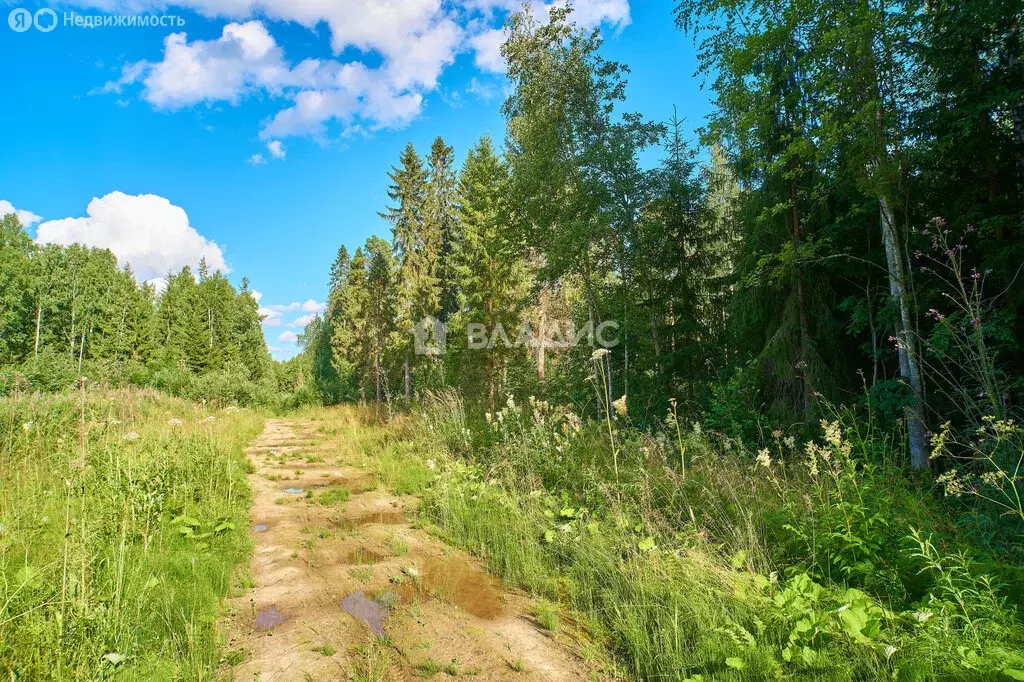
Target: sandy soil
[348, 589]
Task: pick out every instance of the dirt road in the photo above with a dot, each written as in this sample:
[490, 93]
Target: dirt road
[343, 587]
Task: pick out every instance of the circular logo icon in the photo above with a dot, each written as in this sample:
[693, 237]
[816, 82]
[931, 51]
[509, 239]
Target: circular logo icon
[20, 20]
[45, 20]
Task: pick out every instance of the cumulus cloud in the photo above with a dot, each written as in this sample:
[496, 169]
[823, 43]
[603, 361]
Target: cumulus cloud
[26, 218]
[256, 160]
[487, 50]
[288, 337]
[246, 59]
[145, 231]
[312, 306]
[273, 314]
[276, 149]
[302, 320]
[413, 42]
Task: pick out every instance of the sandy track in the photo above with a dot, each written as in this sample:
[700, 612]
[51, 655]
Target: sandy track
[349, 589]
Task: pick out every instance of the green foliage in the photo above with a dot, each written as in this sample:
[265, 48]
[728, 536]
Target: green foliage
[799, 562]
[70, 312]
[138, 521]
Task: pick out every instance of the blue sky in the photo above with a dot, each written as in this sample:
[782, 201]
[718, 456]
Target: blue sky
[259, 133]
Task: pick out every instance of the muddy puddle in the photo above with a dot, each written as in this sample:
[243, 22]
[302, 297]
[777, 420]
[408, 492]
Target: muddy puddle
[269, 618]
[386, 518]
[363, 557]
[371, 611]
[458, 582]
[260, 528]
[294, 491]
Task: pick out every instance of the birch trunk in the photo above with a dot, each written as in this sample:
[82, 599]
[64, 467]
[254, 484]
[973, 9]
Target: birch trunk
[910, 370]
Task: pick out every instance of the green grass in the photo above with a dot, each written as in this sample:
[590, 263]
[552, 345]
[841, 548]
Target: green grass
[123, 520]
[332, 497]
[735, 572]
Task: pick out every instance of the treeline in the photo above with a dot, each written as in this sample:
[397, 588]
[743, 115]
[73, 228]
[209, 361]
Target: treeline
[850, 232]
[71, 312]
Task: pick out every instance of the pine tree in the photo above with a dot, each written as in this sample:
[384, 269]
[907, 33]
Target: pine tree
[416, 250]
[491, 268]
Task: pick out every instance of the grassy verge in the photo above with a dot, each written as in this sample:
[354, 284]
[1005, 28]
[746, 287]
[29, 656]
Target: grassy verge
[694, 559]
[122, 518]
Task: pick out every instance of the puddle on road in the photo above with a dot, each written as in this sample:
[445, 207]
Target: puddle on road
[294, 491]
[368, 610]
[269, 618]
[260, 528]
[387, 518]
[458, 582]
[363, 556]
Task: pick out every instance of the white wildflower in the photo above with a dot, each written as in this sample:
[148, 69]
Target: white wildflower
[620, 406]
[599, 353]
[764, 458]
[131, 435]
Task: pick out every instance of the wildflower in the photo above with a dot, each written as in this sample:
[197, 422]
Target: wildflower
[620, 406]
[801, 364]
[764, 458]
[511, 403]
[174, 421]
[27, 426]
[431, 464]
[599, 353]
[789, 442]
[954, 486]
[777, 434]
[131, 435]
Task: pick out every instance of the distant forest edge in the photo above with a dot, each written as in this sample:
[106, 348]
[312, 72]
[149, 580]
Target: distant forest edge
[68, 313]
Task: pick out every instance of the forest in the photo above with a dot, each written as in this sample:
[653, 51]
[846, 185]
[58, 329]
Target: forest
[750, 410]
[71, 312]
[847, 230]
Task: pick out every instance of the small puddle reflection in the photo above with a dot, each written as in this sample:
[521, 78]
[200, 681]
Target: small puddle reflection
[294, 491]
[461, 583]
[260, 528]
[370, 611]
[269, 618]
[363, 556]
[388, 518]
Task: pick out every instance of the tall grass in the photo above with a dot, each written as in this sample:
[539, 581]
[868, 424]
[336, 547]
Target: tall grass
[807, 561]
[122, 517]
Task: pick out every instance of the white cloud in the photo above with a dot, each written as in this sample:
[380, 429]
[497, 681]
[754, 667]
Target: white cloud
[256, 160]
[276, 149]
[411, 42]
[487, 50]
[288, 337]
[274, 314]
[312, 306]
[159, 284]
[26, 218]
[145, 231]
[257, 296]
[303, 320]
